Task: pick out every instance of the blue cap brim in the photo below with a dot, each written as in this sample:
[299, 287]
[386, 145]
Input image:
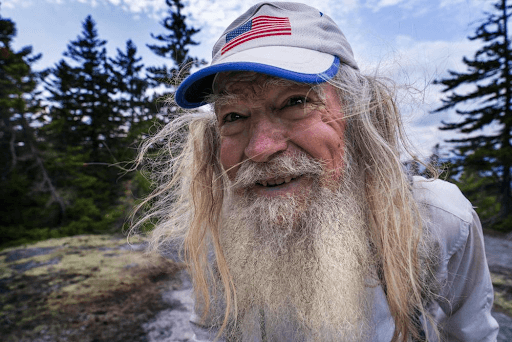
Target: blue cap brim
[193, 90]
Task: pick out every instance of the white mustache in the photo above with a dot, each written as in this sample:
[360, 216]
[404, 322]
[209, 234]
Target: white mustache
[281, 167]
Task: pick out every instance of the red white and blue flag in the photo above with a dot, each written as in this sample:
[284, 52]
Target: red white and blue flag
[258, 27]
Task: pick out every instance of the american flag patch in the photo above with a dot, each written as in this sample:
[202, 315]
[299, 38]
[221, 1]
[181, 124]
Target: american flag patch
[258, 27]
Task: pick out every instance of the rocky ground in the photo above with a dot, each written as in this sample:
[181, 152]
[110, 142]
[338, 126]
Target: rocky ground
[498, 250]
[85, 288]
[100, 288]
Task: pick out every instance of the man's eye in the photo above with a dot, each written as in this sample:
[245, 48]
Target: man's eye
[296, 101]
[231, 117]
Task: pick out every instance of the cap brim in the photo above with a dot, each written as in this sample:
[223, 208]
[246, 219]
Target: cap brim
[291, 63]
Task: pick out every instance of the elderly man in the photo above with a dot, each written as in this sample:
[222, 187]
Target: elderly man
[296, 217]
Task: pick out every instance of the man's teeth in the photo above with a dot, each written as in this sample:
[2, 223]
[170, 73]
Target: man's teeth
[277, 181]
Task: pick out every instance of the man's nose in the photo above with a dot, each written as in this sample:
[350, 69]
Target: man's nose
[266, 139]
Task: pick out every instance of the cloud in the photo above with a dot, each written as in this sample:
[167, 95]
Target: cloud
[11, 4]
[415, 65]
[211, 15]
[474, 4]
[154, 9]
[377, 5]
[465, 12]
[215, 16]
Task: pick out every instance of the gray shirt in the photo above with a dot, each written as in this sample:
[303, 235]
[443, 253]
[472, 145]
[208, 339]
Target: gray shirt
[463, 308]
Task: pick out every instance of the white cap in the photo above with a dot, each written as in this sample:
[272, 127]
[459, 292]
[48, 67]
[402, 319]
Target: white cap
[283, 39]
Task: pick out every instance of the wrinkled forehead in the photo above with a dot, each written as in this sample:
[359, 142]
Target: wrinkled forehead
[249, 84]
[227, 81]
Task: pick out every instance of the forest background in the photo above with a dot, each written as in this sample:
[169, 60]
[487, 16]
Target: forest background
[69, 132]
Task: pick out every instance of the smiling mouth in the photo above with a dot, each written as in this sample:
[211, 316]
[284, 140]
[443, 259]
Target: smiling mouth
[269, 183]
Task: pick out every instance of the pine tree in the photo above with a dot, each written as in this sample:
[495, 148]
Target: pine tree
[85, 113]
[28, 194]
[175, 48]
[176, 44]
[16, 82]
[486, 109]
[134, 104]
[85, 132]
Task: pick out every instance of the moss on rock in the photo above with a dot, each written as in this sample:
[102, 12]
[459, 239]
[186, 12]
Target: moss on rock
[83, 288]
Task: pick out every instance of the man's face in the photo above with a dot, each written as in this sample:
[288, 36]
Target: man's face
[294, 225]
[268, 118]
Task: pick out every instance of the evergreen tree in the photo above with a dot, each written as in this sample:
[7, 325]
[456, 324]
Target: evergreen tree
[176, 44]
[85, 133]
[85, 113]
[487, 105]
[28, 194]
[175, 48]
[16, 82]
[134, 104]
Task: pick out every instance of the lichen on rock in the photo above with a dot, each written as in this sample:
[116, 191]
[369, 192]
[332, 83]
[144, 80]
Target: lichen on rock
[83, 288]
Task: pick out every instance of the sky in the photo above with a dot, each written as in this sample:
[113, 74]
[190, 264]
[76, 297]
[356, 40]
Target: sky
[413, 42]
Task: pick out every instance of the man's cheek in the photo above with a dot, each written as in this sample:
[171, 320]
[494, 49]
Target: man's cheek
[231, 154]
[336, 146]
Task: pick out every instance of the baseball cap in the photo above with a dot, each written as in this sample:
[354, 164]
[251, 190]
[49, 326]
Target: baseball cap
[283, 39]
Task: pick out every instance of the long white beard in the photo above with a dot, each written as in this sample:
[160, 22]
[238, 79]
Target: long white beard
[301, 266]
